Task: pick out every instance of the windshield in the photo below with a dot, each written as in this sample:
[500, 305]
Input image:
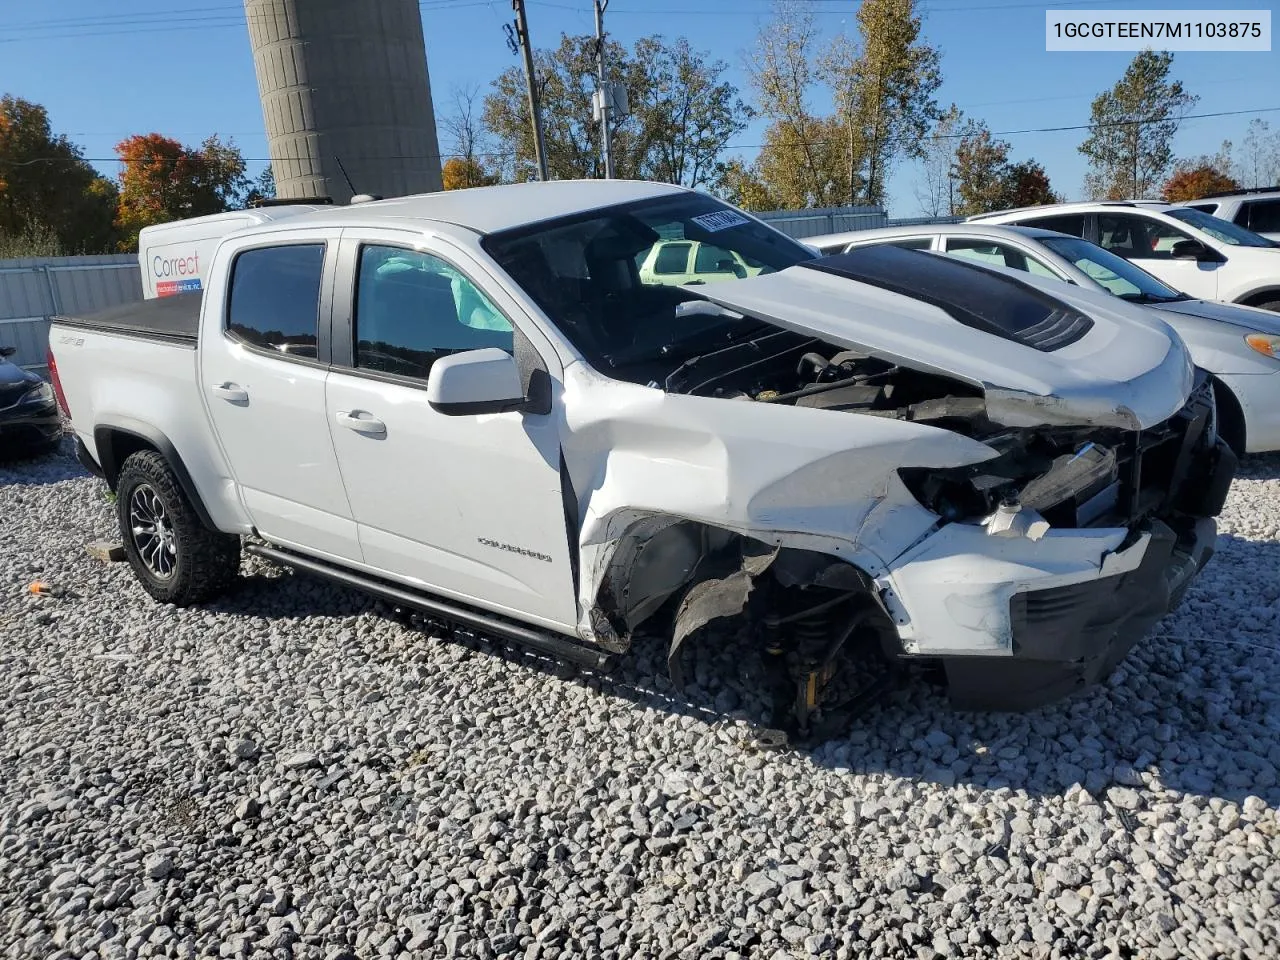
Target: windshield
[611, 279]
[1223, 230]
[1115, 273]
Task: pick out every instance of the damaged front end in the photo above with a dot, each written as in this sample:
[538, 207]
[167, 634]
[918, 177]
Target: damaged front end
[1099, 535]
[842, 494]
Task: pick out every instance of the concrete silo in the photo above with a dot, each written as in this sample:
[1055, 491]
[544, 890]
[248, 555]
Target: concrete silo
[344, 86]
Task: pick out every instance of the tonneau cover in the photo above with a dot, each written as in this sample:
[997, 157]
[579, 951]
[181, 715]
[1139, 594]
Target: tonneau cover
[166, 318]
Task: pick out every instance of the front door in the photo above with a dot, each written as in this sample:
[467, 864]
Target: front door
[468, 506]
[264, 375]
[1149, 243]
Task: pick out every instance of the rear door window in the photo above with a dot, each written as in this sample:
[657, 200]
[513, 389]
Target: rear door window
[997, 254]
[274, 302]
[1070, 223]
[1264, 216]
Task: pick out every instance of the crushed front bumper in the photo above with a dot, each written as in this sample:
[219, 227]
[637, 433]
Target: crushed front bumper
[1069, 637]
[1020, 621]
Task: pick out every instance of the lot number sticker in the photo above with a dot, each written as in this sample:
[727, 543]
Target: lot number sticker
[720, 220]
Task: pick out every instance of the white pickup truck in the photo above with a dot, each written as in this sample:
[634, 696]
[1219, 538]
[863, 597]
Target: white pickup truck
[473, 404]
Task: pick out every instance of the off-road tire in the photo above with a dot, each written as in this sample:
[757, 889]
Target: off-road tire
[204, 562]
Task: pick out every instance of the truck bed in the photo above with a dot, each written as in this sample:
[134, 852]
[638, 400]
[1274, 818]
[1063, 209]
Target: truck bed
[175, 318]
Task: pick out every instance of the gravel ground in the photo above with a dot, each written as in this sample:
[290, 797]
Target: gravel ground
[292, 773]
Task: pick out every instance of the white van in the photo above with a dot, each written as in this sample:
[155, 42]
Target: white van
[173, 256]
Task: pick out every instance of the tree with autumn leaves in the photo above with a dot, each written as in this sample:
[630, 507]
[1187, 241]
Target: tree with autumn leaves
[162, 180]
[51, 200]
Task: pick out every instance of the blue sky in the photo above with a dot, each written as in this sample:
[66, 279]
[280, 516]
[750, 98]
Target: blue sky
[183, 67]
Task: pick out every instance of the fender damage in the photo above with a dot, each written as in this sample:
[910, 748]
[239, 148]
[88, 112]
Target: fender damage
[829, 481]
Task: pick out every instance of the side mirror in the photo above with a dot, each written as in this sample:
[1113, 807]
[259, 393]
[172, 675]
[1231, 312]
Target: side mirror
[1194, 250]
[476, 381]
[8, 351]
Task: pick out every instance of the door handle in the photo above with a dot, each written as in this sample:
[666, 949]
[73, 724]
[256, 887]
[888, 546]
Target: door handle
[231, 392]
[362, 422]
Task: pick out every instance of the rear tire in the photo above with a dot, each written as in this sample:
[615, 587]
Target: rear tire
[1272, 305]
[175, 557]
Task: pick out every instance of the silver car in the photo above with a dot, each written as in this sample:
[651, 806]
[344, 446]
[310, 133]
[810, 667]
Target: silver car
[1239, 345]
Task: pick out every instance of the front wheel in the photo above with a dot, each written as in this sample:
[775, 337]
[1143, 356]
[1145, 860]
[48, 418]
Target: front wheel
[175, 557]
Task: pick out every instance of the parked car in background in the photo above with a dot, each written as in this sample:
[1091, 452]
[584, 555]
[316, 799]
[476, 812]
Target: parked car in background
[1257, 210]
[819, 460]
[1191, 251]
[675, 263]
[1239, 345]
[30, 424]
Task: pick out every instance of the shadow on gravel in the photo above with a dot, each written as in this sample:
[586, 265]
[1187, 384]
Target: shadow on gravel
[1260, 466]
[259, 595]
[47, 468]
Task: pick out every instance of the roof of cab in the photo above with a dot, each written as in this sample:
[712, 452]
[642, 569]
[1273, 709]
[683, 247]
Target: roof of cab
[493, 209]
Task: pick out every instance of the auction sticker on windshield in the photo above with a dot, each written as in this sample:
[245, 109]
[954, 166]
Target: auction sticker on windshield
[720, 220]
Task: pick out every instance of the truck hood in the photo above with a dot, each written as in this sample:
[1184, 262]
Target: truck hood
[1103, 362]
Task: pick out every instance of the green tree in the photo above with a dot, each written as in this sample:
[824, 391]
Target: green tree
[682, 112]
[742, 185]
[162, 180]
[980, 163]
[47, 190]
[885, 86]
[986, 180]
[263, 187]
[686, 112]
[804, 161]
[1130, 142]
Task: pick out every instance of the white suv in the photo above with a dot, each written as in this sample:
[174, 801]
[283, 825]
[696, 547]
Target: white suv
[1256, 210]
[1192, 251]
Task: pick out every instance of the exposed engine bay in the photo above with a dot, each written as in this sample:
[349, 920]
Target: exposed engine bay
[1050, 476]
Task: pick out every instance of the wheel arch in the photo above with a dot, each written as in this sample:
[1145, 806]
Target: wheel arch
[1232, 426]
[116, 440]
[1256, 298]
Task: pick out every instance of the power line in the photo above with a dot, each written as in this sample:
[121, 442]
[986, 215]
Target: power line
[732, 146]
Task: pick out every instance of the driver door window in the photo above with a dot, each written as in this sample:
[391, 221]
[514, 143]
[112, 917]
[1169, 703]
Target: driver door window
[412, 308]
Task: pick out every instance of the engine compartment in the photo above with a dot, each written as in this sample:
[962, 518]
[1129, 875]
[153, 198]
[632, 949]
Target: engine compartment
[787, 368]
[1057, 476]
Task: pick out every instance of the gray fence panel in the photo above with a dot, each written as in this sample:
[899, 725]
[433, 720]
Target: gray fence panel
[921, 221]
[33, 290]
[815, 222]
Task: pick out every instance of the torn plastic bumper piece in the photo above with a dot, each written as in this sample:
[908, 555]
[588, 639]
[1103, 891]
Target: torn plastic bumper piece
[1066, 638]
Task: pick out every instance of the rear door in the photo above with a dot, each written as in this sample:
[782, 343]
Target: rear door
[263, 365]
[468, 506]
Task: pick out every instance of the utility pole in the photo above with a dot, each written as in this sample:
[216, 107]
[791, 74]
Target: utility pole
[521, 40]
[603, 91]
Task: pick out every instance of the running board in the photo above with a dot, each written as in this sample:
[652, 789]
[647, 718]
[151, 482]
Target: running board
[546, 643]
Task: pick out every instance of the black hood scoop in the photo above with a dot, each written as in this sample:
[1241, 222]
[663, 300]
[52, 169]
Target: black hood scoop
[974, 296]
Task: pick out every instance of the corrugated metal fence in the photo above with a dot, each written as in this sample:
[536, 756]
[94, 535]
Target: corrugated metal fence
[813, 223]
[33, 290]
